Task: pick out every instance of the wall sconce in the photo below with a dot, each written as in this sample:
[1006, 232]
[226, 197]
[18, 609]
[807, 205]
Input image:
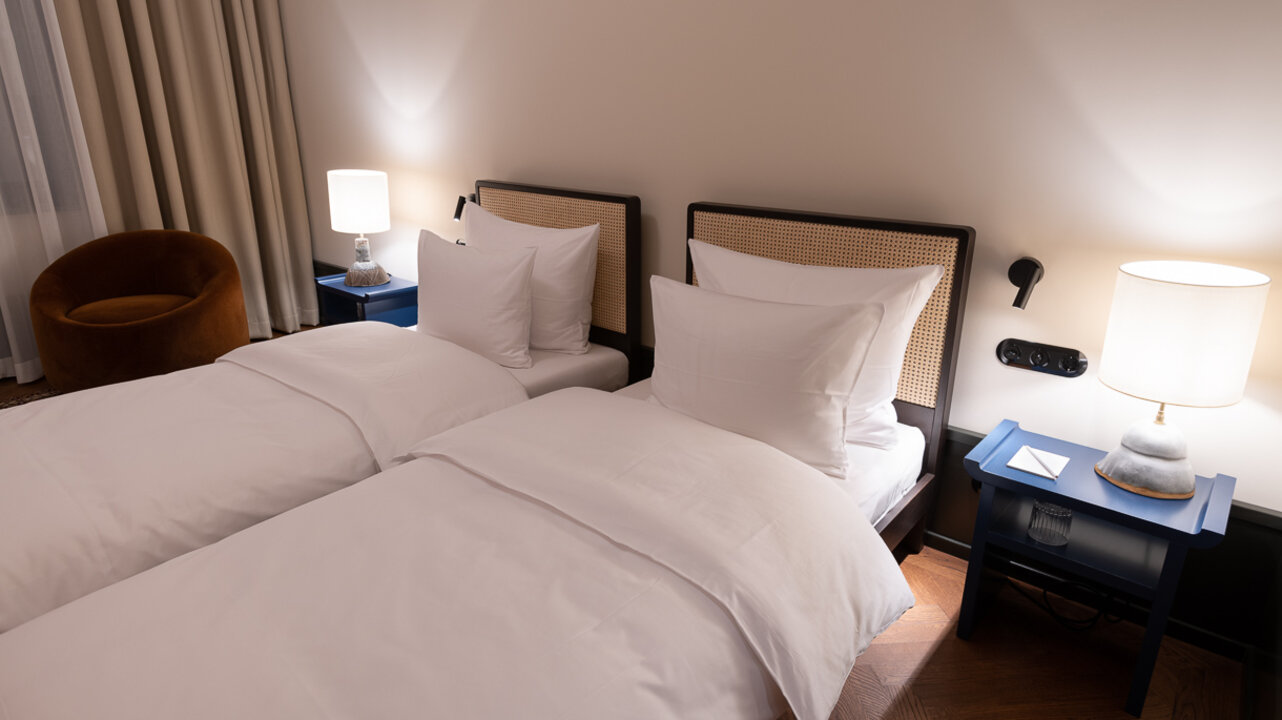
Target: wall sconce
[458, 211]
[462, 203]
[1024, 273]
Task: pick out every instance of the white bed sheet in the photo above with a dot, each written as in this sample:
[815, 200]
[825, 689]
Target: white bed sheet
[876, 478]
[101, 484]
[601, 367]
[592, 566]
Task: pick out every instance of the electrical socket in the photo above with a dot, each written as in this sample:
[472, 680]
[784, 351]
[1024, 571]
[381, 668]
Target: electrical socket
[1051, 359]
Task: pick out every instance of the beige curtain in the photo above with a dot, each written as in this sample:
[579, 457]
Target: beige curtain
[190, 126]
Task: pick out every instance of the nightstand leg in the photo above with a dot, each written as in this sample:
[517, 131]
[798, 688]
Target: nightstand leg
[1157, 616]
[975, 566]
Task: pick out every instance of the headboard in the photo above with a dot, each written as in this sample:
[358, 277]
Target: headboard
[925, 386]
[616, 300]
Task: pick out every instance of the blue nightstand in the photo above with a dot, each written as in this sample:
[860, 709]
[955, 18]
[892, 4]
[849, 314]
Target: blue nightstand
[1118, 539]
[395, 303]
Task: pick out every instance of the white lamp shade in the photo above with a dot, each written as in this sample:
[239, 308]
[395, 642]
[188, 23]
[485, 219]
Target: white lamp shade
[1183, 333]
[358, 201]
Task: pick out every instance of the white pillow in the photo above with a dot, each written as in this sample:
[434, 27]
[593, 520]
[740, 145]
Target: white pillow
[477, 299]
[870, 416]
[564, 274]
[776, 372]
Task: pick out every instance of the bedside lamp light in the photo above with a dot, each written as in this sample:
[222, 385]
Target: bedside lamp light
[358, 204]
[1179, 333]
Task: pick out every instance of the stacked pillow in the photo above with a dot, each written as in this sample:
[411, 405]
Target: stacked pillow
[563, 279]
[805, 358]
[523, 286]
[904, 292]
[777, 372]
[476, 299]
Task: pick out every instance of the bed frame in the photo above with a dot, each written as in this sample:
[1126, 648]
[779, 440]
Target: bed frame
[616, 299]
[925, 386]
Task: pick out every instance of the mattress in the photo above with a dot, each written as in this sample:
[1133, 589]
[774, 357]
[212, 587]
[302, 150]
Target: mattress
[877, 478]
[601, 367]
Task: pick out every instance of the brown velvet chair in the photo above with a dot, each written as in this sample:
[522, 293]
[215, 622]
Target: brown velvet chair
[135, 304]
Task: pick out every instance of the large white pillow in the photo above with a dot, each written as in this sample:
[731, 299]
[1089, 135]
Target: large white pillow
[776, 372]
[870, 415]
[564, 274]
[476, 298]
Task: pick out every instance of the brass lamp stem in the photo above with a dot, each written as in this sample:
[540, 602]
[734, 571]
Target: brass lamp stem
[1161, 414]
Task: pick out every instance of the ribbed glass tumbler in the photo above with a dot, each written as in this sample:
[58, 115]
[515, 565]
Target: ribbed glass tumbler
[1050, 523]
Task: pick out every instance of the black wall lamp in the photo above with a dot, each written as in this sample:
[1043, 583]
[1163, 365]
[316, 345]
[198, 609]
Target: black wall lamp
[1024, 274]
[462, 202]
[458, 211]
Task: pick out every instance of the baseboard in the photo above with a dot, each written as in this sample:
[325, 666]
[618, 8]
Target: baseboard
[945, 544]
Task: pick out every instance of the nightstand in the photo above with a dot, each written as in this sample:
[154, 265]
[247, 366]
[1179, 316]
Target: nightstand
[1127, 542]
[395, 303]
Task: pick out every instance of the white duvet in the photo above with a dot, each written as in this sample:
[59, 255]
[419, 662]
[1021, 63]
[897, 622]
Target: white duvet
[98, 485]
[577, 556]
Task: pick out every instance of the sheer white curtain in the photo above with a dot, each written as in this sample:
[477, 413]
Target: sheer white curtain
[48, 199]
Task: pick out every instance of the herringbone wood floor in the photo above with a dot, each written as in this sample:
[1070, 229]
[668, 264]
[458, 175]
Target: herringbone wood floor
[1020, 664]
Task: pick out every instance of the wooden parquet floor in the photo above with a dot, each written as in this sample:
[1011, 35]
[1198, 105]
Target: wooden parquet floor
[11, 390]
[1021, 664]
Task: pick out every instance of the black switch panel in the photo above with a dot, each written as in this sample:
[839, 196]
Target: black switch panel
[1041, 357]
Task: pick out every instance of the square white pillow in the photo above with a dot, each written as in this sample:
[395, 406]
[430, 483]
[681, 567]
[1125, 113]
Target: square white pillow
[564, 274]
[870, 415]
[477, 299]
[776, 372]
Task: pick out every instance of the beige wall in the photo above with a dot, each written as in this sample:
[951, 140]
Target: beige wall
[1085, 134]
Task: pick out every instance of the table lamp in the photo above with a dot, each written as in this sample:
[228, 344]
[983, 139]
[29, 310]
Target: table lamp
[1179, 333]
[358, 204]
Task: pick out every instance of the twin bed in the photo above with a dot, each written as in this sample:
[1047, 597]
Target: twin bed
[101, 484]
[580, 554]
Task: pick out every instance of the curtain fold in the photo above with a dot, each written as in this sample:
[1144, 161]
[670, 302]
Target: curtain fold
[48, 199]
[190, 125]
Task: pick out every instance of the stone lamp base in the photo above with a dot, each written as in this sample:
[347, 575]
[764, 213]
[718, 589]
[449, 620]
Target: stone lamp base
[365, 272]
[1152, 460]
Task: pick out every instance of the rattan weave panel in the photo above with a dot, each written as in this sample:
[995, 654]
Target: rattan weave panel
[808, 243]
[609, 299]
